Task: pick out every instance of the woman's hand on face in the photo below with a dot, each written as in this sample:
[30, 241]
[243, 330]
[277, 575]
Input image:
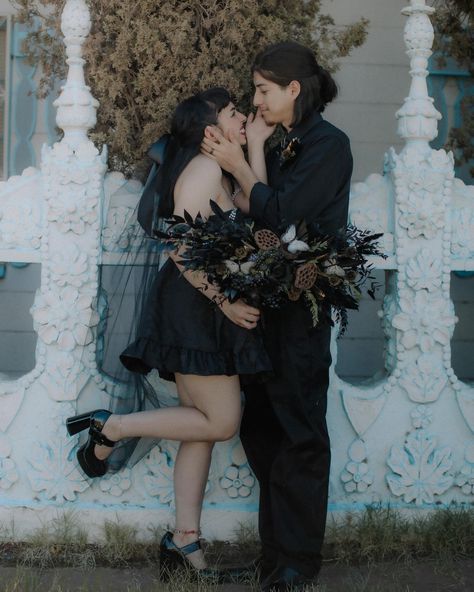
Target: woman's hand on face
[256, 129]
[240, 313]
[227, 152]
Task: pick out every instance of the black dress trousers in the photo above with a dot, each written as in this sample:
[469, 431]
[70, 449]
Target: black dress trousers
[283, 428]
[285, 438]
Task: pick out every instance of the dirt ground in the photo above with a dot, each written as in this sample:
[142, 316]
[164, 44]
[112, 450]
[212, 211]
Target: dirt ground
[387, 577]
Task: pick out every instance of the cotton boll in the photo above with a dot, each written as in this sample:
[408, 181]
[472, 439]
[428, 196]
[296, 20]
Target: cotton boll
[290, 234]
[297, 246]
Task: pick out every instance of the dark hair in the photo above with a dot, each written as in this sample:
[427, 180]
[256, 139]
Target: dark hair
[286, 61]
[188, 123]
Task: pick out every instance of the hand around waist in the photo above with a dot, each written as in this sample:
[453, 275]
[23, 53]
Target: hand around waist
[240, 313]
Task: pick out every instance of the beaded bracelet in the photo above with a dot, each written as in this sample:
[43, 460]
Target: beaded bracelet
[179, 531]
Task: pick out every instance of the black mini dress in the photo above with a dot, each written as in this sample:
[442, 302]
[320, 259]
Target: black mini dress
[181, 330]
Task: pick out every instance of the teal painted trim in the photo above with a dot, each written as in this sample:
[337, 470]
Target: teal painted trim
[452, 68]
[453, 73]
[457, 105]
[359, 506]
[3, 267]
[332, 507]
[121, 506]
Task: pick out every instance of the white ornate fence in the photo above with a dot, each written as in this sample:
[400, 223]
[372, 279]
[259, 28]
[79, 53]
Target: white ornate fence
[405, 439]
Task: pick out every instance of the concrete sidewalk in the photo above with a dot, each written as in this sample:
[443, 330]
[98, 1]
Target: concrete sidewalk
[386, 577]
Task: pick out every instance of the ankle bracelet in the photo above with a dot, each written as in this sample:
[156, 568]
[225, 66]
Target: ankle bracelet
[180, 531]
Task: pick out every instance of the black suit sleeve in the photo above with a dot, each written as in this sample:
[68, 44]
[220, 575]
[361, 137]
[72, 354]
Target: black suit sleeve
[316, 189]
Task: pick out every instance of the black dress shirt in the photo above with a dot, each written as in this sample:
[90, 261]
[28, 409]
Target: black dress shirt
[313, 186]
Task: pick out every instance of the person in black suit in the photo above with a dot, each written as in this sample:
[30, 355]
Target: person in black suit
[283, 429]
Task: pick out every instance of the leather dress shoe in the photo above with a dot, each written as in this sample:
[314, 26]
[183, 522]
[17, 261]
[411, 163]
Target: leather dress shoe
[264, 567]
[287, 579]
[259, 568]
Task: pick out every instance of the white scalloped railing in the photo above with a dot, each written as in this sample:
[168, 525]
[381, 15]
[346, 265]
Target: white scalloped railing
[404, 439]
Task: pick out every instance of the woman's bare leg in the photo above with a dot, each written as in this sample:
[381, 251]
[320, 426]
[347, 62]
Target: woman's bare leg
[216, 399]
[191, 472]
[209, 412]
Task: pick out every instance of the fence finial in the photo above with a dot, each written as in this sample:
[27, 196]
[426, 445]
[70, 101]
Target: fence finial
[418, 118]
[76, 106]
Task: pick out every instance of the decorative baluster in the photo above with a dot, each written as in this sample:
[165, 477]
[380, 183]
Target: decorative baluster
[76, 106]
[418, 118]
[64, 311]
[425, 317]
[412, 204]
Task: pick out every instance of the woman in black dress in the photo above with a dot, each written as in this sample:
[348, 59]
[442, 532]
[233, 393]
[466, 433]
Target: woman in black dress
[187, 336]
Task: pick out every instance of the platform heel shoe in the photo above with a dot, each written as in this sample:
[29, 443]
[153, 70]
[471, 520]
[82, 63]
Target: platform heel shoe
[173, 559]
[94, 421]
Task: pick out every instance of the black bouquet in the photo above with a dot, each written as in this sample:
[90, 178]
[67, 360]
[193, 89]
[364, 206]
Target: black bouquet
[267, 270]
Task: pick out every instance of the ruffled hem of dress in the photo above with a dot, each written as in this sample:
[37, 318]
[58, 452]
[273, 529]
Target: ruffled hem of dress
[145, 354]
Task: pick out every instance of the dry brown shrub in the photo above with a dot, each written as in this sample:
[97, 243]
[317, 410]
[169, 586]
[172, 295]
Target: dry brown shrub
[454, 27]
[144, 56]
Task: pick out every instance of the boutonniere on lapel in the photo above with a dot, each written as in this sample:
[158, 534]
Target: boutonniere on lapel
[289, 151]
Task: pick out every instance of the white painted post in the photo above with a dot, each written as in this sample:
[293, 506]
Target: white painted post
[408, 422]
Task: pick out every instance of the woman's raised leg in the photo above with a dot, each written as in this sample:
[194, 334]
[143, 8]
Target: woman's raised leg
[212, 419]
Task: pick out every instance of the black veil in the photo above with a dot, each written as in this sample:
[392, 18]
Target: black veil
[128, 270]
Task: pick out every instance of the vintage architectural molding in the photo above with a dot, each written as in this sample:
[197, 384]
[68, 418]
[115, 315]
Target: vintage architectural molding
[237, 481]
[363, 406]
[421, 416]
[158, 479]
[418, 118]
[357, 476]
[422, 201]
[53, 470]
[465, 398]
[465, 477]
[462, 221]
[8, 471]
[421, 471]
[370, 207]
[11, 398]
[20, 216]
[117, 483]
[76, 107]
